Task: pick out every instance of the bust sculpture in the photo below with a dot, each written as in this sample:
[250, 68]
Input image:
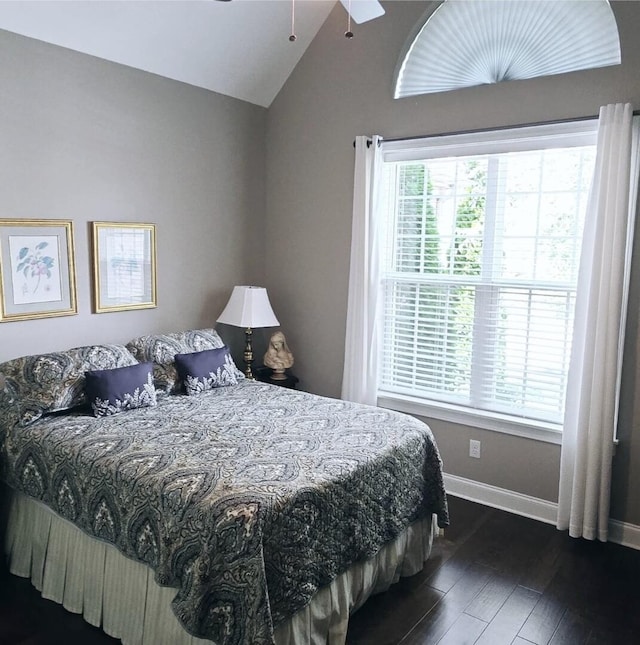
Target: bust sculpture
[278, 356]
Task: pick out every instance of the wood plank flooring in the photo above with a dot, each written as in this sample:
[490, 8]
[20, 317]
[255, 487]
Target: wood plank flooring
[496, 578]
[493, 579]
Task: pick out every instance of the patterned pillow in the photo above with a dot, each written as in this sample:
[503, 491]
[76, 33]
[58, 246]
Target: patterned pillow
[43, 383]
[162, 348]
[121, 388]
[206, 370]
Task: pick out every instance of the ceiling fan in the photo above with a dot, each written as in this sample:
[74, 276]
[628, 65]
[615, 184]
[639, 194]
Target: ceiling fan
[363, 10]
[359, 11]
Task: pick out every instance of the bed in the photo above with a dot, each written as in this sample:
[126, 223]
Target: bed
[240, 512]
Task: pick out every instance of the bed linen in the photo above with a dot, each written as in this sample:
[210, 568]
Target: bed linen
[92, 578]
[247, 499]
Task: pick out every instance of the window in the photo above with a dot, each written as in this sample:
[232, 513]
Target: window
[462, 44]
[479, 268]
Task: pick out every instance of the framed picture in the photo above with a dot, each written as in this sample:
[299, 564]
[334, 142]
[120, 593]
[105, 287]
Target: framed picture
[124, 266]
[37, 269]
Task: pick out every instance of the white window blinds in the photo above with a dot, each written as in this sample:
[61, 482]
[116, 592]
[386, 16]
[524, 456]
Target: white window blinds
[479, 269]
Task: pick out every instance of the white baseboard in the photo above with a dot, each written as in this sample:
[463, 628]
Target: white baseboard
[527, 506]
[625, 534]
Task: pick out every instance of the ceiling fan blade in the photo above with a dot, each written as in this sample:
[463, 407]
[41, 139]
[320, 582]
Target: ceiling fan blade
[363, 10]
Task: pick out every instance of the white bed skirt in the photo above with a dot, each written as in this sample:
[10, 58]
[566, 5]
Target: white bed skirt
[93, 578]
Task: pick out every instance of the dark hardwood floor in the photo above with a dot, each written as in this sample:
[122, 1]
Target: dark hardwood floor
[493, 578]
[497, 578]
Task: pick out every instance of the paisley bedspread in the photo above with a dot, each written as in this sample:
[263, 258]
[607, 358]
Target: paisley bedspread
[246, 498]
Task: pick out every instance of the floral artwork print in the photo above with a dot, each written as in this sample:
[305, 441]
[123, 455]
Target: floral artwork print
[35, 270]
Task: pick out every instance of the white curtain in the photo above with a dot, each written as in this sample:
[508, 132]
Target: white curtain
[596, 358]
[359, 379]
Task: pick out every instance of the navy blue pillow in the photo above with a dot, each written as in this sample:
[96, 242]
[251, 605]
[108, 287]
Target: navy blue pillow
[119, 389]
[206, 370]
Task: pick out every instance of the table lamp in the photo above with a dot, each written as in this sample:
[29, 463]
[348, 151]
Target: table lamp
[248, 307]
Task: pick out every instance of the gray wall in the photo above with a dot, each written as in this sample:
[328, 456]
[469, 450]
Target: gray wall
[341, 89]
[84, 139]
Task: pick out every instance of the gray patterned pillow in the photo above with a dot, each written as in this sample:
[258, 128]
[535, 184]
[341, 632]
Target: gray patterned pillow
[43, 383]
[162, 348]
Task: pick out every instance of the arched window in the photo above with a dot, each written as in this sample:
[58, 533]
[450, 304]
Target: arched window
[462, 43]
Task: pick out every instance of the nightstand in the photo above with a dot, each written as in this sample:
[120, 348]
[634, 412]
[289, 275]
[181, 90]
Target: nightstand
[263, 373]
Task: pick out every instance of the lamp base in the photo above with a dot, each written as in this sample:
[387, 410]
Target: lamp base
[248, 354]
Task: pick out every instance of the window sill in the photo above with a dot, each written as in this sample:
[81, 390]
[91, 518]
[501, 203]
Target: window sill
[537, 430]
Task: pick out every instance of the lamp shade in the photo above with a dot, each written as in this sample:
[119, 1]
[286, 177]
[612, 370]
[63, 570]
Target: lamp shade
[248, 307]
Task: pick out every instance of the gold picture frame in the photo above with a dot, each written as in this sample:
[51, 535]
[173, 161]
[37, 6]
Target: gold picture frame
[37, 269]
[124, 266]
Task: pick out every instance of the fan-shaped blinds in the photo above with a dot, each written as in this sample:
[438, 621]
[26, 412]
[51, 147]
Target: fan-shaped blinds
[487, 41]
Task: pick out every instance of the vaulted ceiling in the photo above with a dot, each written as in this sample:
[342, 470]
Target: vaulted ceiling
[238, 48]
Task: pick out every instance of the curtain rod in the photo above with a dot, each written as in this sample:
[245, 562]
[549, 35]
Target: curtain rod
[502, 127]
